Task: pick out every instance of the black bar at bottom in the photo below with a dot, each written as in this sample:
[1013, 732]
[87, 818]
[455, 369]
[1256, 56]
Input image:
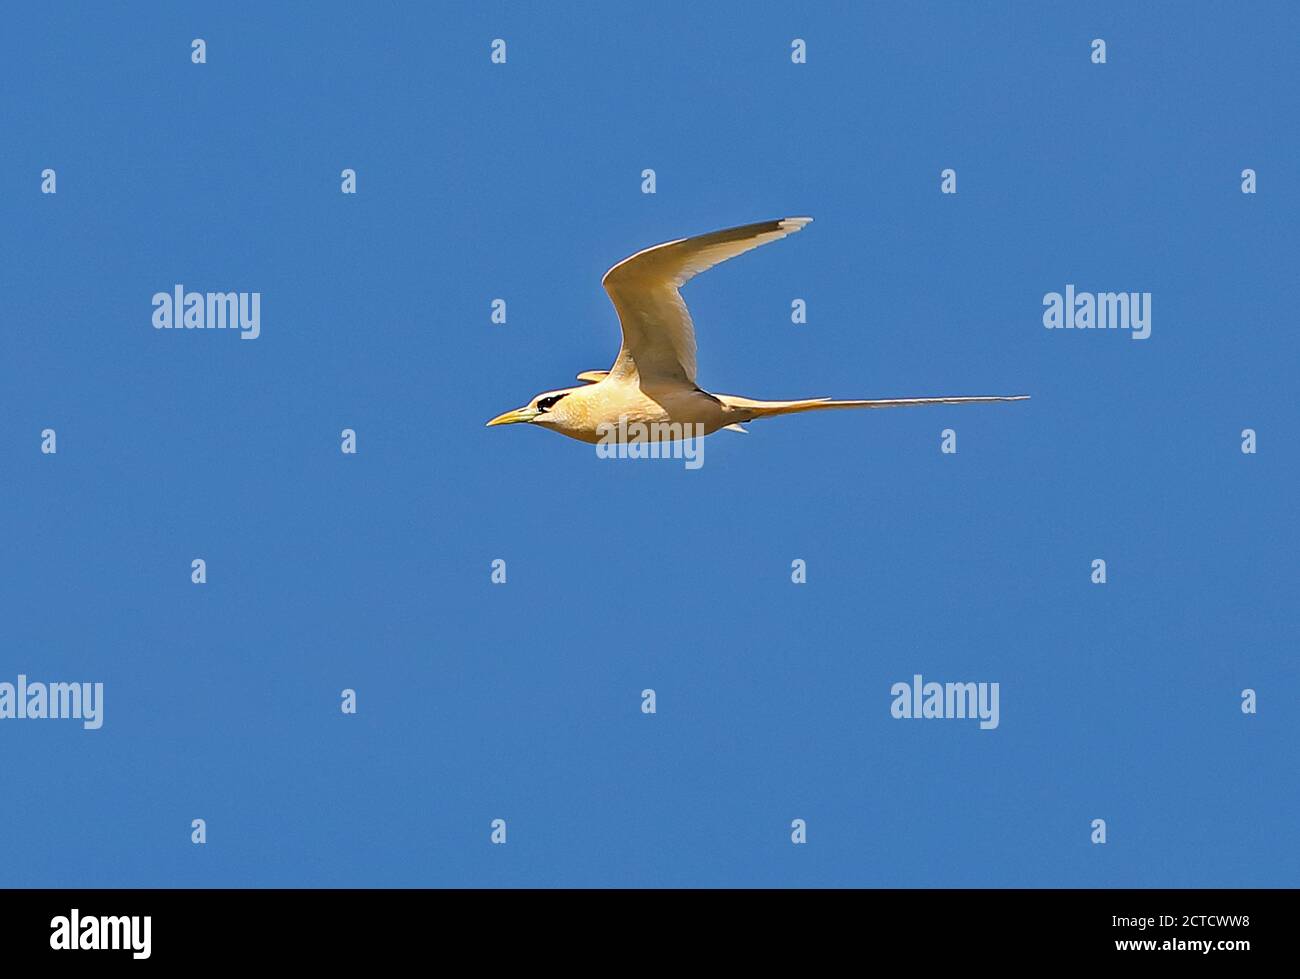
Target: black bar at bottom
[178, 928]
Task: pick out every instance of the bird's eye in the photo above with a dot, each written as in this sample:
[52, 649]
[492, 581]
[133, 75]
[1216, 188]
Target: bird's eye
[546, 403]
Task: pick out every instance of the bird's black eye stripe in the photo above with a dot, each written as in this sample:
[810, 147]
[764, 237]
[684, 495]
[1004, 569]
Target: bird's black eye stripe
[547, 403]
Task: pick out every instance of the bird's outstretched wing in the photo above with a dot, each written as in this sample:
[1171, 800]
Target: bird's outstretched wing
[658, 335]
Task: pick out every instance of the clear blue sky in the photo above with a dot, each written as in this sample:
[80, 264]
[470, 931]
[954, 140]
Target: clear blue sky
[522, 701]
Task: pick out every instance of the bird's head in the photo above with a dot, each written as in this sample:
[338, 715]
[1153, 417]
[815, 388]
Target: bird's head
[545, 409]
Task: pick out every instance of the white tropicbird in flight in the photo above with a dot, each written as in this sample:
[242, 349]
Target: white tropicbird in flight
[652, 382]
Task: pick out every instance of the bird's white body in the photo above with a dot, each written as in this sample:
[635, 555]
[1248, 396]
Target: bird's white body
[651, 387]
[587, 413]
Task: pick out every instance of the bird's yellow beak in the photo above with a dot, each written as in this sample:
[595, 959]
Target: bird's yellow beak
[512, 417]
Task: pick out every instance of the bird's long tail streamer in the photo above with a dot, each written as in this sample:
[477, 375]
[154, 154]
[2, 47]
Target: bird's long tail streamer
[766, 409]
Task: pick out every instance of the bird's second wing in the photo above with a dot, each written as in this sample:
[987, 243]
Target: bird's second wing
[658, 335]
